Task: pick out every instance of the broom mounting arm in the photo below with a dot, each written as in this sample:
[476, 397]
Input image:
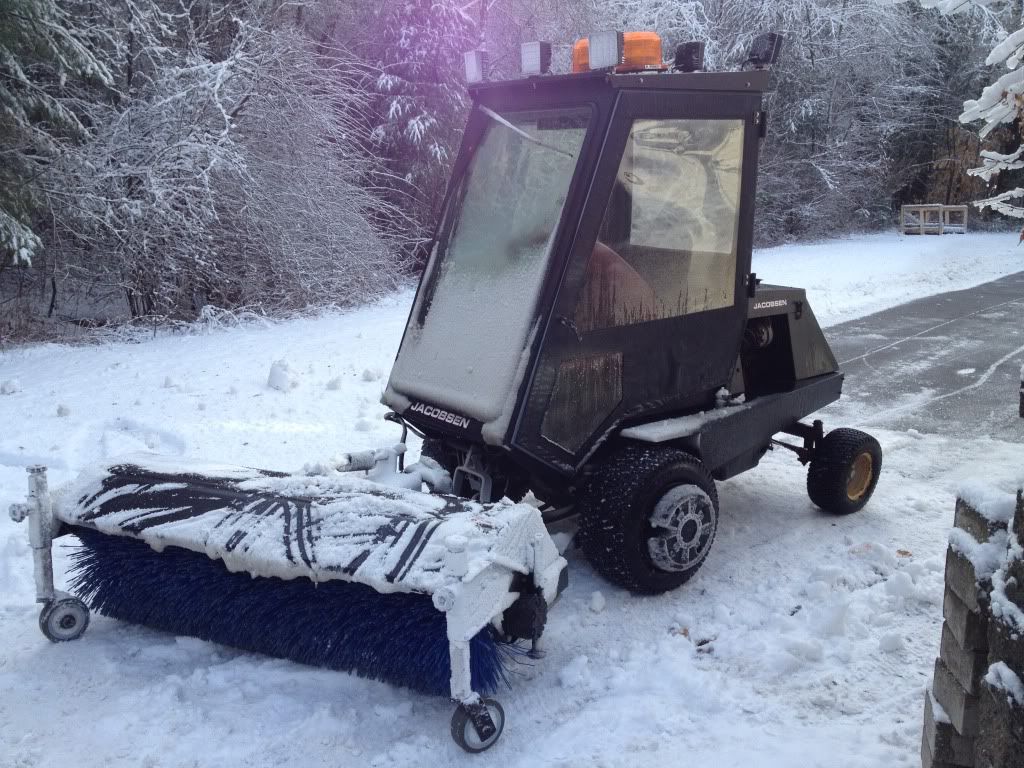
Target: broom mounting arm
[63, 617]
[38, 509]
[386, 466]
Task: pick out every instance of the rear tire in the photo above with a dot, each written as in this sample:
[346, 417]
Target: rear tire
[844, 471]
[648, 518]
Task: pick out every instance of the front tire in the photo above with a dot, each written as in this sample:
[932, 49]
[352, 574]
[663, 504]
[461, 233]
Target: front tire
[648, 518]
[844, 471]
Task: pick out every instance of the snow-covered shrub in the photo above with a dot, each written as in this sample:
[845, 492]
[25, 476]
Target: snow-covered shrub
[221, 158]
[231, 177]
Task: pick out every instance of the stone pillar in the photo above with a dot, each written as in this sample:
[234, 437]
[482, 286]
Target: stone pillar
[1000, 742]
[959, 709]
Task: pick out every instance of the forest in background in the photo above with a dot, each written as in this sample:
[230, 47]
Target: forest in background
[165, 159]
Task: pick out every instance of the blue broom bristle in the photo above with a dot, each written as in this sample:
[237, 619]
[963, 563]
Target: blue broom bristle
[398, 638]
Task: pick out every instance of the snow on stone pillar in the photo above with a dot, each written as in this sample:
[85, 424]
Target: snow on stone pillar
[1000, 742]
[953, 717]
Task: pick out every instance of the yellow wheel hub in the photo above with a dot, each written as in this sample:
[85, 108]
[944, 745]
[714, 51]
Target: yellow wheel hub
[861, 472]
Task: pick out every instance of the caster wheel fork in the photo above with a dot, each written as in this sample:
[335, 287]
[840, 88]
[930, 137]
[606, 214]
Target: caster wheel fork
[477, 726]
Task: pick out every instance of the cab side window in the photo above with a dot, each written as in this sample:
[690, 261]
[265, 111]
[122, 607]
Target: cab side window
[667, 243]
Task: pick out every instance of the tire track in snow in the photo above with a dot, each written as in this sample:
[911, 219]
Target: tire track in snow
[20, 460]
[918, 404]
[896, 343]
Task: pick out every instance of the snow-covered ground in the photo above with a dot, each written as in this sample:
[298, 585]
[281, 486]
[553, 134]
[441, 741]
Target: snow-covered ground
[856, 276]
[805, 640]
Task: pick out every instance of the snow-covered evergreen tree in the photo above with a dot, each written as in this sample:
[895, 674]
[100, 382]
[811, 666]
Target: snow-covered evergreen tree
[420, 84]
[43, 44]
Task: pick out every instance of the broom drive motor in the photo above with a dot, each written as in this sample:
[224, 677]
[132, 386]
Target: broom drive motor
[587, 330]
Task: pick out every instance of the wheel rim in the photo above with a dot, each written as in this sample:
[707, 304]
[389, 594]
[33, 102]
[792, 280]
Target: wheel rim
[469, 734]
[684, 526]
[859, 480]
[65, 621]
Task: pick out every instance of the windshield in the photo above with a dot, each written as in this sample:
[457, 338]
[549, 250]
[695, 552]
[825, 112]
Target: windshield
[474, 316]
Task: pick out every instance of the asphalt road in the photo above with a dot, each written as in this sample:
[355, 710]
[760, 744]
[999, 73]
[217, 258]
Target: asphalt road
[947, 364]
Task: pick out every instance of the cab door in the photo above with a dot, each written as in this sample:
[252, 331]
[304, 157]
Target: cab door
[652, 304]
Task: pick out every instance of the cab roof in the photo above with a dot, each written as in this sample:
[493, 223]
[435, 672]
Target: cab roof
[750, 81]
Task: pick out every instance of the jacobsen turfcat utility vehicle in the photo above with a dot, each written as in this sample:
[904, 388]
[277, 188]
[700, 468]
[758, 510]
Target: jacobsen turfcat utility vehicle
[587, 328]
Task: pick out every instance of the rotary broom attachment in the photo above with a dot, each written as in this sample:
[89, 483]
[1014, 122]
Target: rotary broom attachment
[420, 590]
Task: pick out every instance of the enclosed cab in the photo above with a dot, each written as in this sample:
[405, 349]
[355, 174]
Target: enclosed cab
[589, 287]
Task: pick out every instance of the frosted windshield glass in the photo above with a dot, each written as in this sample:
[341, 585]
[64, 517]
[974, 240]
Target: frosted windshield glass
[475, 313]
[684, 177]
[667, 244]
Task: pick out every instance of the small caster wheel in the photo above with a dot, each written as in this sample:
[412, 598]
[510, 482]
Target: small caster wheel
[65, 618]
[476, 727]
